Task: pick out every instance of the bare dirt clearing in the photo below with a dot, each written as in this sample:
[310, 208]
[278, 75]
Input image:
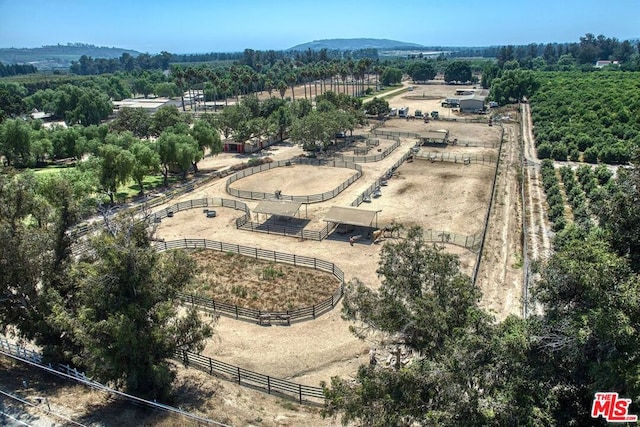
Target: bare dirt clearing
[262, 285]
[439, 196]
[295, 180]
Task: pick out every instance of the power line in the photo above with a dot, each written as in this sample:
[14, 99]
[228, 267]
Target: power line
[47, 411]
[106, 389]
[4, 414]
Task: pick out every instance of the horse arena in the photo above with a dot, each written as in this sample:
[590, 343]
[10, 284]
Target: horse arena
[446, 190]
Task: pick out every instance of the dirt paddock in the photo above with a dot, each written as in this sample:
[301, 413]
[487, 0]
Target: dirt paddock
[441, 196]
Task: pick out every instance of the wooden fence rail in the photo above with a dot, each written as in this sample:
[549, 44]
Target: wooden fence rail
[462, 158]
[266, 383]
[313, 198]
[371, 158]
[301, 393]
[242, 313]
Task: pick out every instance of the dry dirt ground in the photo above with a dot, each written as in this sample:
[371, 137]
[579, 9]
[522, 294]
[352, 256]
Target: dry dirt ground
[438, 196]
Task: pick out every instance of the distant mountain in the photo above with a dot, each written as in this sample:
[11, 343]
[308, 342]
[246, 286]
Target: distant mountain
[354, 44]
[59, 56]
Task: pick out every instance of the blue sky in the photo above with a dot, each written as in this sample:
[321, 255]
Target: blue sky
[192, 26]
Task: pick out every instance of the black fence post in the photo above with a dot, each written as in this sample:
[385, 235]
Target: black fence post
[300, 392]
[239, 377]
[268, 384]
[236, 312]
[210, 367]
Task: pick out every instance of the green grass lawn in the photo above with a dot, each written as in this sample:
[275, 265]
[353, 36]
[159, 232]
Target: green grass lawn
[52, 169]
[125, 192]
[130, 190]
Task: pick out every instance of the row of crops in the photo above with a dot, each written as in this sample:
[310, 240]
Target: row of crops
[589, 117]
[578, 192]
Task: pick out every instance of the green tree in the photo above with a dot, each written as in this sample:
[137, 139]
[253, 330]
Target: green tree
[514, 85]
[457, 71]
[390, 76]
[377, 107]
[134, 120]
[620, 216]
[146, 161]
[421, 71]
[426, 303]
[166, 117]
[11, 105]
[585, 341]
[281, 118]
[25, 240]
[207, 138]
[115, 165]
[128, 323]
[177, 150]
[15, 142]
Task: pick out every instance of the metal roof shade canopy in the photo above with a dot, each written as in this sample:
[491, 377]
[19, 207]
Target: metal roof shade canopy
[286, 208]
[351, 216]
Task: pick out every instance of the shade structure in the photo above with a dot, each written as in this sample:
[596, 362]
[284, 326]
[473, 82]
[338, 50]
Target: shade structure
[278, 207]
[351, 216]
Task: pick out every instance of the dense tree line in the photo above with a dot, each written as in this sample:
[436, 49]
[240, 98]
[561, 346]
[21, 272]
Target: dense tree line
[86, 65]
[16, 69]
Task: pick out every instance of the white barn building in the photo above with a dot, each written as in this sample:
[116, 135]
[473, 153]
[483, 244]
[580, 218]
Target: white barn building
[471, 103]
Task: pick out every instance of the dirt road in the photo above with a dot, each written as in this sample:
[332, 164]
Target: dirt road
[538, 231]
[538, 227]
[500, 276]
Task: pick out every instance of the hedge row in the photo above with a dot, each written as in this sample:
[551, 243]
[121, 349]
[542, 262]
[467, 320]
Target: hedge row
[555, 199]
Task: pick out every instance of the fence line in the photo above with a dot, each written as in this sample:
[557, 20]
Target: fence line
[456, 158]
[301, 393]
[390, 133]
[476, 268]
[471, 242]
[385, 176]
[252, 379]
[314, 198]
[242, 313]
[199, 203]
[370, 159]
[87, 228]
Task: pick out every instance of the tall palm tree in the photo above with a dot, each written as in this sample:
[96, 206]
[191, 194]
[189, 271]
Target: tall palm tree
[304, 73]
[315, 75]
[282, 88]
[367, 63]
[177, 72]
[351, 67]
[225, 85]
[291, 79]
[344, 73]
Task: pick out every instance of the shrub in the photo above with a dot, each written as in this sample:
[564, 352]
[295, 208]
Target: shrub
[591, 155]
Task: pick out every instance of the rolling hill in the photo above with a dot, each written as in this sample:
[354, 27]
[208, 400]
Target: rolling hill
[59, 56]
[354, 44]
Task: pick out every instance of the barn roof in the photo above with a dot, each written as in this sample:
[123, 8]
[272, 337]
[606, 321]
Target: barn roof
[278, 207]
[350, 216]
[475, 97]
